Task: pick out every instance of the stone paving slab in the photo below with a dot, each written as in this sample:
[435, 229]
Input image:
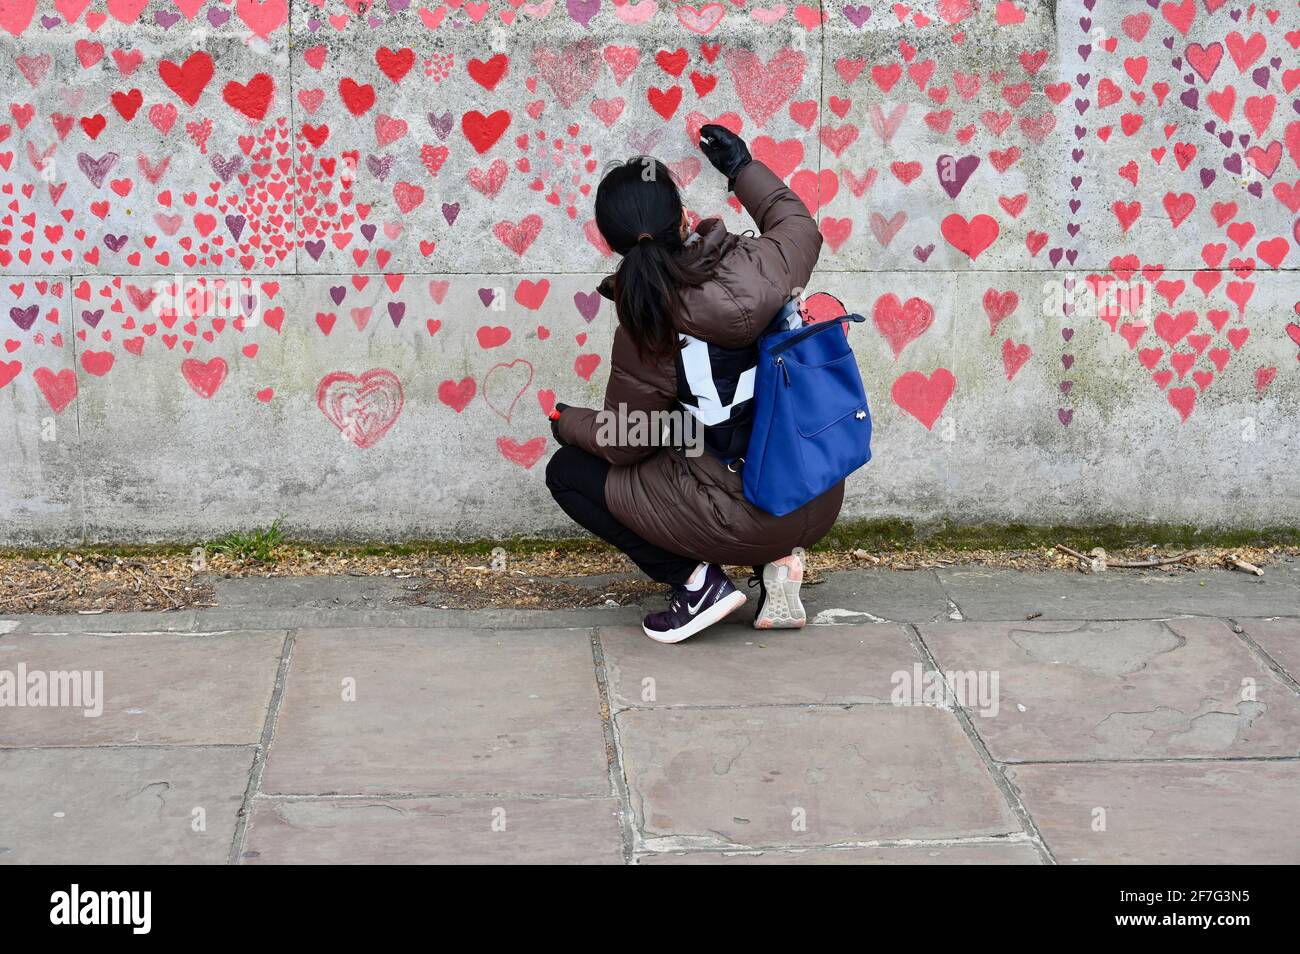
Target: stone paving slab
[435, 831]
[308, 592]
[174, 621]
[395, 616]
[121, 805]
[1015, 853]
[440, 712]
[1122, 690]
[1192, 812]
[157, 688]
[898, 596]
[1280, 638]
[985, 593]
[738, 665]
[723, 777]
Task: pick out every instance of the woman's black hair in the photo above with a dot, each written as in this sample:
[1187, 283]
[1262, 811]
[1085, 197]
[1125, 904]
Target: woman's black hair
[639, 214]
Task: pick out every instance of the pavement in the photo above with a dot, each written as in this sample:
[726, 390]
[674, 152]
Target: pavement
[1136, 717]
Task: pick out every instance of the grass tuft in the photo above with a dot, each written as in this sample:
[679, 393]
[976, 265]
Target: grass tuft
[257, 546]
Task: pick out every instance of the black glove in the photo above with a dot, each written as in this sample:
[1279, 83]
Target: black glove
[555, 424]
[725, 150]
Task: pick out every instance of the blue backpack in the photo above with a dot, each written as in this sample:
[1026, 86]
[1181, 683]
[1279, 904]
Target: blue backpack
[812, 426]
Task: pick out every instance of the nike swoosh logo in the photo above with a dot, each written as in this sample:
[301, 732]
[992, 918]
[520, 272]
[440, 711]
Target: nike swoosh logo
[695, 608]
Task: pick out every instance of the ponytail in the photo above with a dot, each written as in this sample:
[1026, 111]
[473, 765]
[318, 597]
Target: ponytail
[639, 212]
[647, 295]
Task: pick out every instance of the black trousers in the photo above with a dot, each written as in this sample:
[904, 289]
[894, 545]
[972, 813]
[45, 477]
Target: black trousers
[576, 480]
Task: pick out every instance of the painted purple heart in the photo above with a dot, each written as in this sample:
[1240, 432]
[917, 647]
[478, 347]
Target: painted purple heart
[487, 296]
[1178, 64]
[1211, 126]
[644, 141]
[1067, 361]
[315, 249]
[1256, 189]
[923, 252]
[1067, 333]
[588, 305]
[50, 22]
[397, 6]
[1066, 385]
[1085, 24]
[313, 24]
[1225, 137]
[1067, 309]
[1089, 4]
[374, 21]
[1235, 14]
[450, 212]
[225, 168]
[1066, 415]
[1075, 204]
[1207, 177]
[1075, 182]
[97, 170]
[236, 225]
[1073, 229]
[857, 15]
[114, 242]
[440, 124]
[1083, 79]
[379, 166]
[24, 318]
[954, 173]
[1190, 98]
[165, 19]
[1085, 51]
[1276, 62]
[1054, 256]
[1168, 42]
[1261, 77]
[1072, 256]
[93, 318]
[338, 293]
[1080, 132]
[1244, 139]
[368, 231]
[396, 312]
[1077, 155]
[218, 17]
[248, 303]
[1082, 105]
[582, 10]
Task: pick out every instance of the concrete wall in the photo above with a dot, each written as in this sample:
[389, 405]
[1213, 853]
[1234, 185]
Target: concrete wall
[400, 191]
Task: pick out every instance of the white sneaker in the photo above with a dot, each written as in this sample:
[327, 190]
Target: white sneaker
[778, 603]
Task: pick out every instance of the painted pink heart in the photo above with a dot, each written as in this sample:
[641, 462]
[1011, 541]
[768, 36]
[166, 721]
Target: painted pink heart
[763, 88]
[924, 398]
[505, 384]
[526, 454]
[901, 323]
[363, 407]
[204, 377]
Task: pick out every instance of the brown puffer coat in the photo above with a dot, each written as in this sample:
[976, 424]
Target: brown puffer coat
[694, 506]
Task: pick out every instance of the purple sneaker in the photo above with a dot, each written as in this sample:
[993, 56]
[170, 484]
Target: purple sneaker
[690, 611]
